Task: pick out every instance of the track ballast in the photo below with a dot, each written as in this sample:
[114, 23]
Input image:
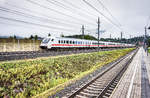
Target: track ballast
[104, 83]
[7, 56]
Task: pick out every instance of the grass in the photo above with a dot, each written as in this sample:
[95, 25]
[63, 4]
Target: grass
[149, 49]
[43, 77]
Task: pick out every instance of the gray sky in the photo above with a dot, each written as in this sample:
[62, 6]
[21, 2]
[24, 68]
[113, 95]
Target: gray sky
[26, 17]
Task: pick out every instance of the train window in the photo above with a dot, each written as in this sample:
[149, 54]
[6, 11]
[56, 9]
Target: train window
[67, 42]
[62, 41]
[46, 40]
[59, 41]
[52, 40]
[76, 42]
[73, 42]
[70, 42]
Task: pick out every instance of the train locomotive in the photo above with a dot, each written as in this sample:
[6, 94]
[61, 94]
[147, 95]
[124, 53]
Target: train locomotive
[60, 42]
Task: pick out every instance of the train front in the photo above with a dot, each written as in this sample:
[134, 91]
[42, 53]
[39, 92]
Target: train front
[45, 43]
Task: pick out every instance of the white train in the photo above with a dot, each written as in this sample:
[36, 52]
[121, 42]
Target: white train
[59, 42]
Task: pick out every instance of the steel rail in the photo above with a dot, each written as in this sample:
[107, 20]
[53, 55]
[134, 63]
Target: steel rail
[103, 91]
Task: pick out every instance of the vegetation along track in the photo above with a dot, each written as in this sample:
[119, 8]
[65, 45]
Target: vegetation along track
[104, 83]
[4, 56]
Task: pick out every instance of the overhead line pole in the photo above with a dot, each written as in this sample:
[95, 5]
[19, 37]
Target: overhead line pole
[98, 31]
[83, 29]
[121, 37]
[145, 38]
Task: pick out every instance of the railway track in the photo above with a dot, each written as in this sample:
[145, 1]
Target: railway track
[104, 83]
[7, 56]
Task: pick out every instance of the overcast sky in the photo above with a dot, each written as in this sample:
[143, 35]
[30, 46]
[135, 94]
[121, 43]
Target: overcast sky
[40, 17]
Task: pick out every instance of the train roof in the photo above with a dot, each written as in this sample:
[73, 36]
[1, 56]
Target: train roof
[64, 38]
[70, 38]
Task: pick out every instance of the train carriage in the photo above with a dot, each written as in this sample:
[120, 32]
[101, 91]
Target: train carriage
[59, 42]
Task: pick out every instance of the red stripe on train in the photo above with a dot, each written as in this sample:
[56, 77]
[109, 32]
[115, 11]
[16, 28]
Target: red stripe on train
[83, 45]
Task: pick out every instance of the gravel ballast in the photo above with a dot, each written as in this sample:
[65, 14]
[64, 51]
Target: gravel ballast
[70, 88]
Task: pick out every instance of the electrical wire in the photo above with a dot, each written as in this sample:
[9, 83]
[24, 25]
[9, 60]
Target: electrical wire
[35, 17]
[57, 11]
[35, 24]
[41, 14]
[70, 9]
[102, 14]
[109, 12]
[75, 6]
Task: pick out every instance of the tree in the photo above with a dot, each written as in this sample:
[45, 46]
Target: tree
[31, 37]
[15, 37]
[10, 37]
[36, 37]
[49, 34]
[62, 35]
[149, 42]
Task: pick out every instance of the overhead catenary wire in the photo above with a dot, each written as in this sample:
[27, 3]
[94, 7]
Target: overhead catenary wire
[54, 2]
[26, 26]
[35, 17]
[75, 6]
[109, 12]
[47, 16]
[102, 14]
[48, 19]
[56, 11]
[35, 24]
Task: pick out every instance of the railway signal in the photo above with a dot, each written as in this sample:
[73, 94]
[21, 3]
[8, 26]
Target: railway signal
[83, 29]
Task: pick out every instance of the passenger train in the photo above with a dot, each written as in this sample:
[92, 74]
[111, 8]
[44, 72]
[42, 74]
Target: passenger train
[60, 42]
